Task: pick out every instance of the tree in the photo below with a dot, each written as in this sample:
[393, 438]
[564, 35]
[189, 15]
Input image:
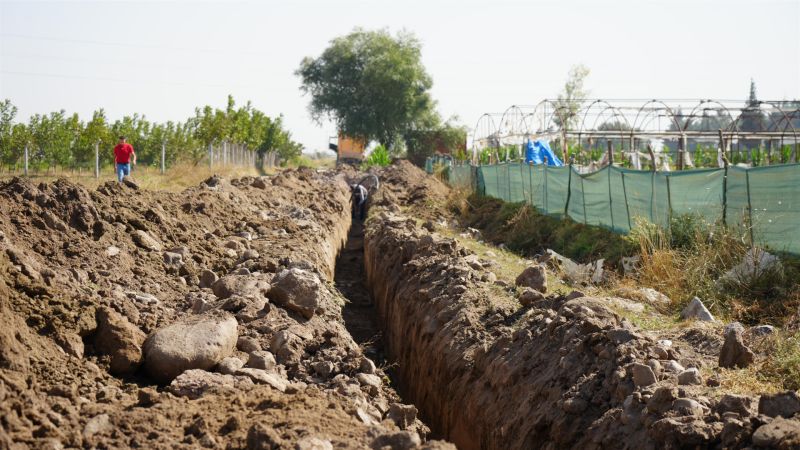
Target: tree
[371, 84]
[570, 99]
[7, 114]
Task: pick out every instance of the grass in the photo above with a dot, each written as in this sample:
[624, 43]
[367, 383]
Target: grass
[176, 178]
[526, 231]
[689, 258]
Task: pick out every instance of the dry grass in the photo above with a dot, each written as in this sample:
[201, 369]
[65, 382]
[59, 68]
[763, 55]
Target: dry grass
[177, 178]
[691, 258]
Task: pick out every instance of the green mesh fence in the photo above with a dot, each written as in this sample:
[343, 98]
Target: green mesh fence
[763, 202]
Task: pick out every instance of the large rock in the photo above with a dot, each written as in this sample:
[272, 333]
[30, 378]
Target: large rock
[696, 310]
[785, 404]
[119, 339]
[780, 433]
[298, 290]
[734, 353]
[534, 277]
[199, 342]
[643, 375]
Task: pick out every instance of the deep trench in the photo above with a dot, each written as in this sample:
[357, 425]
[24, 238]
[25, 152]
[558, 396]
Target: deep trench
[360, 313]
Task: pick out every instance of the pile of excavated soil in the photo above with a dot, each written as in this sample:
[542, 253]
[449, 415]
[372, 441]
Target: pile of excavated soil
[406, 185]
[560, 372]
[204, 318]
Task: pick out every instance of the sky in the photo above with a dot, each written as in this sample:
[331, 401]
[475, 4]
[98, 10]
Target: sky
[163, 59]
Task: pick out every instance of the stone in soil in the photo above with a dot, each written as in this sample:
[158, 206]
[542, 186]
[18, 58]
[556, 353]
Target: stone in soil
[534, 277]
[199, 342]
[734, 352]
[696, 310]
[119, 339]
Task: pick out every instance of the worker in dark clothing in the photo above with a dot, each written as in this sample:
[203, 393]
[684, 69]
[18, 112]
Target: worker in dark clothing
[359, 198]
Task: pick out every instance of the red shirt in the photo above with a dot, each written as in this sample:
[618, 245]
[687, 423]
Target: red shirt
[122, 153]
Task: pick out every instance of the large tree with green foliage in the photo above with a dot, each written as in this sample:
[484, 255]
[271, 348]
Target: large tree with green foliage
[371, 84]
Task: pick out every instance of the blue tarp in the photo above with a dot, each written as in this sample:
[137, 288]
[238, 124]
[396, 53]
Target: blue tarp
[537, 151]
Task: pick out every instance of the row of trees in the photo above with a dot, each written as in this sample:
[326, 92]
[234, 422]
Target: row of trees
[62, 139]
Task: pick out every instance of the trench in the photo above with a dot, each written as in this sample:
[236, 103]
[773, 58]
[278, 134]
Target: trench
[359, 312]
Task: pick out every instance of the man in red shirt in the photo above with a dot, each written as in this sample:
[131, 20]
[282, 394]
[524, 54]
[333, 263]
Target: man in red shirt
[123, 157]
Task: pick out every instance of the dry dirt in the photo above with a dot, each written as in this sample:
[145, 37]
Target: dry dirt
[328, 320]
[71, 256]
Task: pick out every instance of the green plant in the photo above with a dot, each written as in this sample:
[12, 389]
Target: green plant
[378, 157]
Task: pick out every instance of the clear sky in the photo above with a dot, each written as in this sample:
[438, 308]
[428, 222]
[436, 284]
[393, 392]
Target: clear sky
[164, 58]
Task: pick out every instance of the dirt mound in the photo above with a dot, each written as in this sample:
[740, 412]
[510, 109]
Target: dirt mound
[406, 185]
[141, 258]
[565, 372]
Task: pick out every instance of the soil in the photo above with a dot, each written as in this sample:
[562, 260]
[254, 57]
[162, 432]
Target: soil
[67, 252]
[323, 309]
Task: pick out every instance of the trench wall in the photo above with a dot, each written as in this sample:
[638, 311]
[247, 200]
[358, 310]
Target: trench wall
[485, 377]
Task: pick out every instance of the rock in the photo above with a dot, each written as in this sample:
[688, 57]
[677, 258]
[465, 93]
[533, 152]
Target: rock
[573, 295]
[690, 376]
[762, 330]
[779, 433]
[366, 365]
[654, 297]
[112, 251]
[97, 425]
[371, 382]
[402, 440]
[261, 359]
[229, 365]
[643, 375]
[672, 366]
[173, 259]
[119, 339]
[656, 366]
[734, 353]
[232, 244]
[323, 368]
[313, 443]
[263, 377]
[263, 437]
[71, 343]
[533, 277]
[489, 277]
[207, 278]
[249, 254]
[530, 296]
[248, 344]
[785, 404]
[297, 290]
[402, 415]
[243, 286]
[287, 347]
[147, 242]
[662, 399]
[620, 335]
[260, 183]
[687, 407]
[147, 397]
[195, 382]
[201, 305]
[739, 404]
[696, 310]
[199, 342]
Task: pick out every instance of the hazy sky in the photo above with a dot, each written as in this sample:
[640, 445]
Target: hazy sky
[164, 58]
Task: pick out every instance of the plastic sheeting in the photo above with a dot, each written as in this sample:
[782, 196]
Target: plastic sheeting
[539, 152]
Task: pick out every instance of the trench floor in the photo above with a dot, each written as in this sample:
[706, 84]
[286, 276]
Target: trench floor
[359, 312]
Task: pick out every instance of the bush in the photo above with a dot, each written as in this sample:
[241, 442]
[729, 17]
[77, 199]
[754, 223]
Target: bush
[378, 157]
